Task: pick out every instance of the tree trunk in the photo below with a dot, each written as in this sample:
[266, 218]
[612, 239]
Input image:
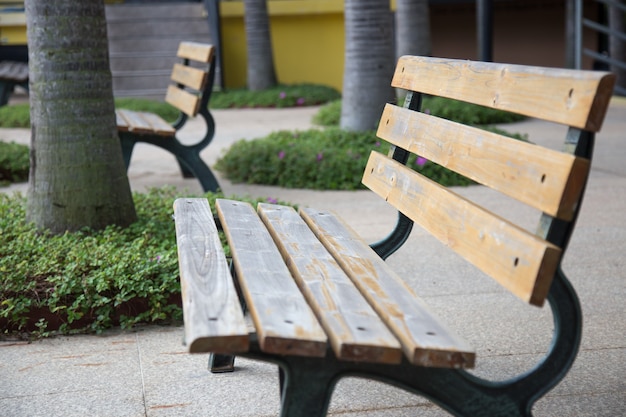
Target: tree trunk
[412, 28]
[261, 72]
[77, 174]
[369, 63]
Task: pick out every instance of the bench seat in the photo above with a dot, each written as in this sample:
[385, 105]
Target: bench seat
[306, 278]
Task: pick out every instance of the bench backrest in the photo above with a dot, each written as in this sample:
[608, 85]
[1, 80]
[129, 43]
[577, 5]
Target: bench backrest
[188, 92]
[548, 180]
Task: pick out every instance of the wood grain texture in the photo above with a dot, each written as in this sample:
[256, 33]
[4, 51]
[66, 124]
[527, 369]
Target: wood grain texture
[355, 331]
[196, 51]
[214, 320]
[142, 122]
[284, 321]
[183, 100]
[191, 77]
[520, 261]
[571, 97]
[424, 339]
[545, 179]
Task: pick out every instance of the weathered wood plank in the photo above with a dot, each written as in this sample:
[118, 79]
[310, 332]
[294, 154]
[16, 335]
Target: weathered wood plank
[517, 259]
[284, 322]
[196, 51]
[189, 76]
[545, 179]
[157, 124]
[133, 122]
[183, 100]
[354, 329]
[425, 340]
[214, 320]
[572, 97]
[14, 71]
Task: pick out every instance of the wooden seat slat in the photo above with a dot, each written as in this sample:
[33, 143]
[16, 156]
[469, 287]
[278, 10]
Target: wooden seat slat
[195, 51]
[284, 322]
[133, 121]
[545, 179]
[183, 100]
[157, 124]
[571, 97]
[424, 339]
[353, 328]
[517, 259]
[14, 71]
[214, 319]
[191, 77]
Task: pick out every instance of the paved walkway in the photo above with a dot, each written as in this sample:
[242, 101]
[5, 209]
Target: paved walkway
[147, 372]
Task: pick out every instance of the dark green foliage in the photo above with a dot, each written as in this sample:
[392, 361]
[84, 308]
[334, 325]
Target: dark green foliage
[329, 114]
[17, 115]
[469, 114]
[330, 159]
[166, 111]
[14, 163]
[280, 96]
[90, 280]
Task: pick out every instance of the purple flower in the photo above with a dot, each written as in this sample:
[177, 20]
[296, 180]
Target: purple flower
[421, 161]
[377, 144]
[319, 156]
[282, 94]
[281, 154]
[272, 200]
[300, 101]
[427, 111]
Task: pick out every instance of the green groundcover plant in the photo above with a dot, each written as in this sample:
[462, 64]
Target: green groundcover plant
[334, 159]
[89, 281]
[14, 163]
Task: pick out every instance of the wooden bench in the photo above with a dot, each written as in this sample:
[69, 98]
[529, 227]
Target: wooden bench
[323, 304]
[190, 93]
[12, 73]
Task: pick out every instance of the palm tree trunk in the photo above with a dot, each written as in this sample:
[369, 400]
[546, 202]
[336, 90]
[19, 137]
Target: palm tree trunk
[369, 63]
[412, 28]
[261, 72]
[77, 174]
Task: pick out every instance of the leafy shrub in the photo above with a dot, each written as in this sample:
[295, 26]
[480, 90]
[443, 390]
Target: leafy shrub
[89, 281]
[14, 163]
[280, 96]
[458, 111]
[16, 115]
[330, 159]
[466, 113]
[329, 114]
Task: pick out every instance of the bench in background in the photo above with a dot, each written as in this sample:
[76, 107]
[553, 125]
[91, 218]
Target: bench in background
[12, 73]
[323, 304]
[190, 93]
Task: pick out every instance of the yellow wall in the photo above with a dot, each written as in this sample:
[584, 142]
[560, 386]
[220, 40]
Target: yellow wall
[307, 41]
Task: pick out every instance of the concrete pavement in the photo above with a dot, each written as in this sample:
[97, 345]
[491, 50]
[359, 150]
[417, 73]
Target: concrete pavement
[146, 372]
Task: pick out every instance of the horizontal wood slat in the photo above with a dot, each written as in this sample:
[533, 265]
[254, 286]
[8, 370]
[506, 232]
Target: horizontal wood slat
[520, 261]
[196, 51]
[558, 95]
[214, 320]
[183, 100]
[142, 122]
[284, 322]
[355, 331]
[425, 340]
[191, 77]
[545, 179]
